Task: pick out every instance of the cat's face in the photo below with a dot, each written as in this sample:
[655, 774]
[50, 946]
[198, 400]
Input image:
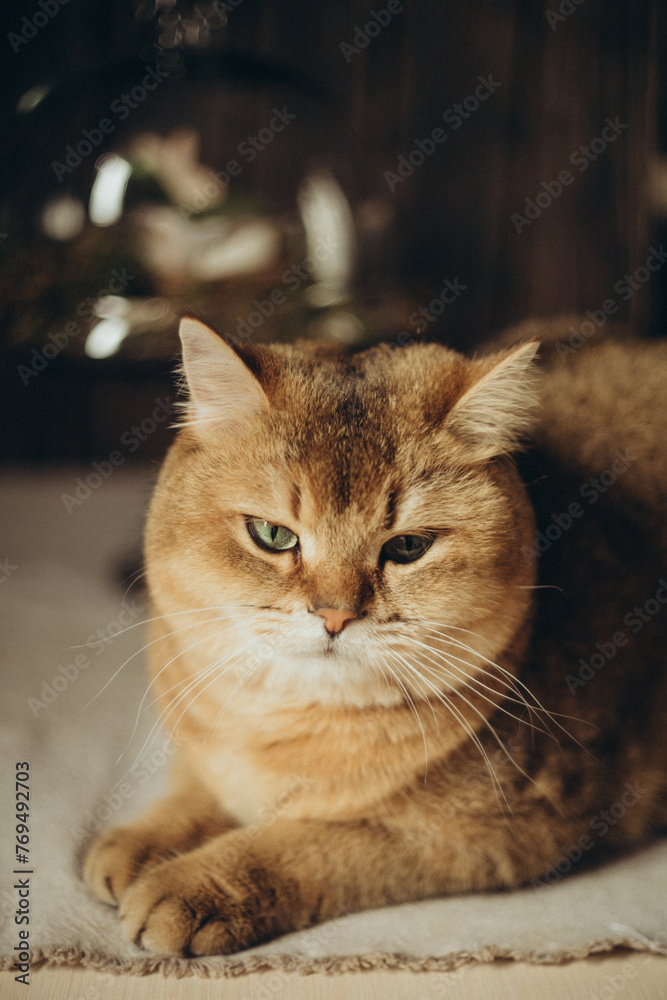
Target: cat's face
[354, 523]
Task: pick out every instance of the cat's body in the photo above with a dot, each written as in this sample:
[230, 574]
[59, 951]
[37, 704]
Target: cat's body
[350, 728]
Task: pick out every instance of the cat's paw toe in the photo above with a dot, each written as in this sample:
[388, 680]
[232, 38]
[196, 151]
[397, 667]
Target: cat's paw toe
[115, 859]
[163, 924]
[183, 908]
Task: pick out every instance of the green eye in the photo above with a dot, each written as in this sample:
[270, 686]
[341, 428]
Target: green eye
[273, 537]
[406, 548]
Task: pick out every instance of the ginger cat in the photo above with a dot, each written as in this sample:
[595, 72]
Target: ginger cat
[359, 597]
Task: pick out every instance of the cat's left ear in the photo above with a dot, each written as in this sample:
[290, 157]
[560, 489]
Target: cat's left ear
[223, 391]
[494, 415]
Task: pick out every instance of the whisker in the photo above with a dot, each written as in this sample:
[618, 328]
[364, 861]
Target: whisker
[508, 674]
[151, 643]
[251, 669]
[133, 578]
[215, 635]
[495, 735]
[414, 710]
[212, 681]
[537, 704]
[442, 697]
[193, 681]
[469, 679]
[519, 700]
[228, 661]
[510, 679]
[157, 618]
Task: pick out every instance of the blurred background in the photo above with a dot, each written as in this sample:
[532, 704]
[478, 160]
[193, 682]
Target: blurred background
[350, 171]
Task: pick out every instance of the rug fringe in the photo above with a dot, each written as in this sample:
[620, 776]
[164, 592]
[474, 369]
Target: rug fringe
[219, 967]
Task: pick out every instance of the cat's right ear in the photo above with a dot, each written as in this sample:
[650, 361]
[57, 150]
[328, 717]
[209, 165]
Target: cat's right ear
[222, 390]
[499, 409]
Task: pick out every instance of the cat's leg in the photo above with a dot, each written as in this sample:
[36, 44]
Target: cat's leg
[253, 884]
[186, 818]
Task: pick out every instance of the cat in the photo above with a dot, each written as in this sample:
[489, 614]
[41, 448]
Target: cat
[401, 655]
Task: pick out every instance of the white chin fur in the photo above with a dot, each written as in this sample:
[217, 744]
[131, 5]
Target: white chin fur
[328, 675]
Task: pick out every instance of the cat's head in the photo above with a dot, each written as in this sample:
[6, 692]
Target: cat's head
[352, 516]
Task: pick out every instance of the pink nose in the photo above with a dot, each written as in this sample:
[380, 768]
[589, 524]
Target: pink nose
[335, 619]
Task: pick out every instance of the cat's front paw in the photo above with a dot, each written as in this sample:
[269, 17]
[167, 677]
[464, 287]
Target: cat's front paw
[191, 906]
[116, 859]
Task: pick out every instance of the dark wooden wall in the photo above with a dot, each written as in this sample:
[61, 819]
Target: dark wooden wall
[559, 80]
[558, 84]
